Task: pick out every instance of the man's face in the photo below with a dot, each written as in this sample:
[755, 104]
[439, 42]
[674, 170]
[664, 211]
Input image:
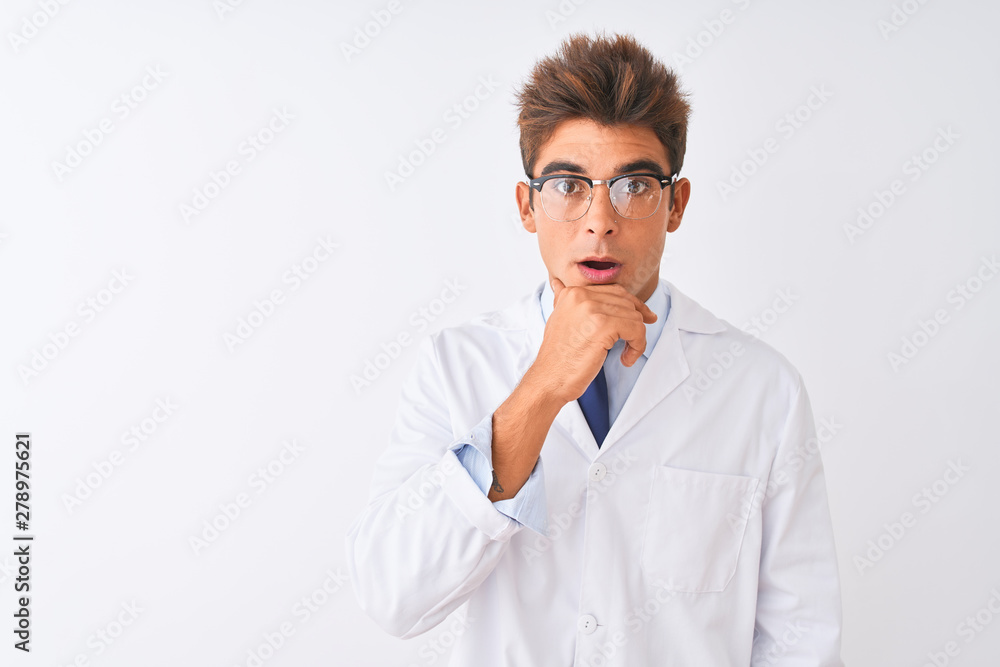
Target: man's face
[585, 148]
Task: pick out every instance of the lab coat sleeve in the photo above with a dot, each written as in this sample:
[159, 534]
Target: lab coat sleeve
[527, 507]
[798, 619]
[429, 535]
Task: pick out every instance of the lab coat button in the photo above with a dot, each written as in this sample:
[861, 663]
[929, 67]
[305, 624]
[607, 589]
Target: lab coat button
[587, 624]
[597, 472]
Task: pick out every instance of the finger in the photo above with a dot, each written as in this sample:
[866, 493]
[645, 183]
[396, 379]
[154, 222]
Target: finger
[630, 355]
[635, 343]
[616, 290]
[620, 309]
[557, 286]
[647, 314]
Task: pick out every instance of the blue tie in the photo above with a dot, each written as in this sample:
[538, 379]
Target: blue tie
[594, 404]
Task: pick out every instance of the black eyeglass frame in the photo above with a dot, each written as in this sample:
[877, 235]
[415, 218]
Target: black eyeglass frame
[537, 183]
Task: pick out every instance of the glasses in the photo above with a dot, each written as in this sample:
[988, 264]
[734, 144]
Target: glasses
[633, 196]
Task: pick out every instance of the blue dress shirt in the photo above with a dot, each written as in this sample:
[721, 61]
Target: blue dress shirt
[476, 454]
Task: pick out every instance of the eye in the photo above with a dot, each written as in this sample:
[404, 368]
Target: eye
[637, 186]
[568, 187]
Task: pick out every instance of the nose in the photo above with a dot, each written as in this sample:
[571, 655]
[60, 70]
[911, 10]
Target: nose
[601, 218]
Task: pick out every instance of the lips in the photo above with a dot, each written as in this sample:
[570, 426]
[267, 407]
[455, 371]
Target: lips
[599, 270]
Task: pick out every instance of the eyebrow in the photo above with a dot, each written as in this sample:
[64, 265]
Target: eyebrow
[559, 166]
[646, 165]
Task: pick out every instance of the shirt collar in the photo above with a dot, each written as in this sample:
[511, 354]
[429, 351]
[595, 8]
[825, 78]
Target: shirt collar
[658, 302]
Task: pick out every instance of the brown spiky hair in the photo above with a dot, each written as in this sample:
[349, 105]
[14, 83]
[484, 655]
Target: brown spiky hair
[610, 80]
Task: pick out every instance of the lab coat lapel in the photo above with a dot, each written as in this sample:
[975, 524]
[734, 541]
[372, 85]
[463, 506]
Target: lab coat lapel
[667, 365]
[665, 369]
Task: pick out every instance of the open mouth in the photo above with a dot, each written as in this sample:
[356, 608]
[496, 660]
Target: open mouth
[599, 266]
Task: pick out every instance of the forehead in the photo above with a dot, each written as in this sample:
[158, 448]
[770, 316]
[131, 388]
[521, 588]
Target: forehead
[601, 149]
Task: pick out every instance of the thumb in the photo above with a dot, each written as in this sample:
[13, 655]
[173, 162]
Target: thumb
[557, 286]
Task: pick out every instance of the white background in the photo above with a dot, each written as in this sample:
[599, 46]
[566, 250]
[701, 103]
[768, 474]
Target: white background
[190, 282]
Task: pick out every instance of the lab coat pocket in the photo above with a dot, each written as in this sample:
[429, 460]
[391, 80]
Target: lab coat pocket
[694, 528]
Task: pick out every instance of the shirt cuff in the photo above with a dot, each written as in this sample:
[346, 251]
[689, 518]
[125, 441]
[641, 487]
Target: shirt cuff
[475, 453]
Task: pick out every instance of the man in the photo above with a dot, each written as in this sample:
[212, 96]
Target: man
[681, 515]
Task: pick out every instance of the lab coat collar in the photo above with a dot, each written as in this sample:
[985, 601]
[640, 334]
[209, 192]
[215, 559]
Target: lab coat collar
[666, 368]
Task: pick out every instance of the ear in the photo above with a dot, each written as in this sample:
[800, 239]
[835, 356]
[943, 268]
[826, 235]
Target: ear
[682, 192]
[521, 193]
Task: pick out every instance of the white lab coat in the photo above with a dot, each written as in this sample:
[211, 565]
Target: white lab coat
[697, 535]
